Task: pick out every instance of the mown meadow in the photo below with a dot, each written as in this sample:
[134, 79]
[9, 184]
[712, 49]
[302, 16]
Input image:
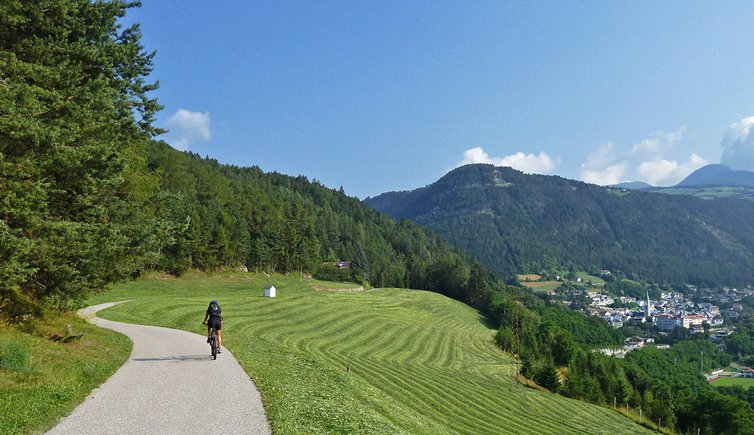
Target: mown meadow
[373, 361]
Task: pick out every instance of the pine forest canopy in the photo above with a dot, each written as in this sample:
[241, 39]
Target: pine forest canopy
[518, 223]
[74, 117]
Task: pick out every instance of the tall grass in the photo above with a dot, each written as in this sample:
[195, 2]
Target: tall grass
[377, 361]
[41, 380]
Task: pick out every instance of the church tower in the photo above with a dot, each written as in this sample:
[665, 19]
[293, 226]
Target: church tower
[647, 307]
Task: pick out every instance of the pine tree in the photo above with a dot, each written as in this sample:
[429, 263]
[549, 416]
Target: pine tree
[74, 117]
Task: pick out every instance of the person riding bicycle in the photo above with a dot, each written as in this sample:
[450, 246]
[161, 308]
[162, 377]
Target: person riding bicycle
[214, 315]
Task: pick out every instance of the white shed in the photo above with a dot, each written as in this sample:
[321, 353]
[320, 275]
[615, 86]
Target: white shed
[269, 291]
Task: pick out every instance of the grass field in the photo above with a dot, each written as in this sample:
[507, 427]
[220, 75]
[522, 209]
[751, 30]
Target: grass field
[375, 361]
[596, 280]
[41, 380]
[542, 286]
[729, 382]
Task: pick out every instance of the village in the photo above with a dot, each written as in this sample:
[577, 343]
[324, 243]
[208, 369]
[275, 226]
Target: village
[699, 311]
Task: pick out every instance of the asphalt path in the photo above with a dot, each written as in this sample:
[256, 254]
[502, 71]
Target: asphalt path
[169, 385]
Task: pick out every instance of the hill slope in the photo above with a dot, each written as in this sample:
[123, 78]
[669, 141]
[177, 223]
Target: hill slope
[380, 361]
[218, 216]
[516, 223]
[714, 181]
[718, 175]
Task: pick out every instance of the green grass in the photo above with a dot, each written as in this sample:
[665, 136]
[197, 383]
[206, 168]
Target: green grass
[376, 361]
[596, 280]
[711, 192]
[729, 382]
[542, 286]
[42, 380]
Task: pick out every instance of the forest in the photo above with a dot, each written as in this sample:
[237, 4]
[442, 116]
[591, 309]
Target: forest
[88, 196]
[516, 223]
[556, 348]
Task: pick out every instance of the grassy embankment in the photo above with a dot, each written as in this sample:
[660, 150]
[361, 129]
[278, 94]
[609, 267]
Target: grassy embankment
[376, 361]
[42, 380]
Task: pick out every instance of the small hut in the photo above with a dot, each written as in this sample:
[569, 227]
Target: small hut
[269, 291]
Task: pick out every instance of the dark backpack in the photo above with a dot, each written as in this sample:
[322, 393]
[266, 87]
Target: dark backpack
[215, 310]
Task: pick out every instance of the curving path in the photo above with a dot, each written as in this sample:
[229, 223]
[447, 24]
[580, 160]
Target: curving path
[170, 384]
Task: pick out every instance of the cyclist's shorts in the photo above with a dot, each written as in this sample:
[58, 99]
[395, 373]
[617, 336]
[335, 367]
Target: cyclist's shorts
[215, 322]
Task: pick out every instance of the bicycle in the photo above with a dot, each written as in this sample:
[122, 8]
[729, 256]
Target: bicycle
[213, 342]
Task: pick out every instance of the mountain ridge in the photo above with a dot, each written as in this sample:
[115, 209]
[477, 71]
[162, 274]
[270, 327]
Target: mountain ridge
[718, 175]
[515, 223]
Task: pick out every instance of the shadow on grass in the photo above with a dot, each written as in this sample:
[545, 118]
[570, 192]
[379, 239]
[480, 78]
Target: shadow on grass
[486, 321]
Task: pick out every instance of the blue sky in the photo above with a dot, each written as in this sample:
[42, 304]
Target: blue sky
[390, 95]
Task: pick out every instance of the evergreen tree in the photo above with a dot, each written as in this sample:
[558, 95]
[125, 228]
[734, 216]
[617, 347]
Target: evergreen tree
[74, 118]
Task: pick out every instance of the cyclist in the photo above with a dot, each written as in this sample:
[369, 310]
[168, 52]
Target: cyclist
[214, 315]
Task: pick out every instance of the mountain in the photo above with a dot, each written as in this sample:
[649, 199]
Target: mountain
[514, 223]
[714, 181]
[718, 175]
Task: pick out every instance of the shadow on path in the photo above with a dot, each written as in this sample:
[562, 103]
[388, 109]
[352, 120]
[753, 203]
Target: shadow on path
[176, 358]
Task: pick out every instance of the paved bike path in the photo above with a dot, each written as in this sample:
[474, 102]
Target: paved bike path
[170, 384]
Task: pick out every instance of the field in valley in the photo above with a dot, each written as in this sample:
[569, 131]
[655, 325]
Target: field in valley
[373, 361]
[729, 382]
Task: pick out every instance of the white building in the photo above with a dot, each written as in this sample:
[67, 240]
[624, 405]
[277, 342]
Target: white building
[270, 291]
[692, 319]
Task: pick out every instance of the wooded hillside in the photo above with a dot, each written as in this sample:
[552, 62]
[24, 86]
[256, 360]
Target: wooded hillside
[518, 223]
[88, 197]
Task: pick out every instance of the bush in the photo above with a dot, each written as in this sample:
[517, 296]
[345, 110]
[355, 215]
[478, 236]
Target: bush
[15, 356]
[331, 272]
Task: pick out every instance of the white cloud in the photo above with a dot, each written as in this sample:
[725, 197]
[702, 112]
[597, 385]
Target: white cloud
[646, 161]
[187, 128]
[612, 174]
[669, 172]
[603, 167]
[657, 143]
[738, 145]
[531, 163]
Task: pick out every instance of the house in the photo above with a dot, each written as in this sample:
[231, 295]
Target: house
[635, 342]
[270, 291]
[344, 265]
[692, 319]
[666, 322]
[638, 316]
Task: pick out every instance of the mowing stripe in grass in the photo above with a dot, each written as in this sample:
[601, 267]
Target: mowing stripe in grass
[419, 362]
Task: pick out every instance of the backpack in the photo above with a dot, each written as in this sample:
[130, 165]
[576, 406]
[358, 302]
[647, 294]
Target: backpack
[214, 309]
